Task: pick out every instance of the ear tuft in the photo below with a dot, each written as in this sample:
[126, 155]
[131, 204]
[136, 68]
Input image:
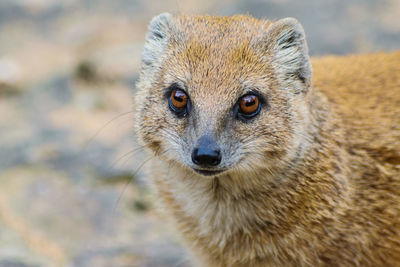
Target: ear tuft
[160, 30]
[289, 49]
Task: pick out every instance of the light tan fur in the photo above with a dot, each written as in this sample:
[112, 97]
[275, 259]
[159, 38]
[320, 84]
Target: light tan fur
[313, 180]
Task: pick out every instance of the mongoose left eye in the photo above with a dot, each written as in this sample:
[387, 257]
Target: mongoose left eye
[178, 102]
[249, 106]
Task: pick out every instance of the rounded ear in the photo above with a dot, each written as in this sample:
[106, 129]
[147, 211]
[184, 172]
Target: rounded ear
[160, 26]
[287, 46]
[160, 30]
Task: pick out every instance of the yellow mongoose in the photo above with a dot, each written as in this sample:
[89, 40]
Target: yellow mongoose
[260, 164]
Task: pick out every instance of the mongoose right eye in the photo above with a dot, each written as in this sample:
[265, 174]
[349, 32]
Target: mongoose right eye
[249, 106]
[178, 102]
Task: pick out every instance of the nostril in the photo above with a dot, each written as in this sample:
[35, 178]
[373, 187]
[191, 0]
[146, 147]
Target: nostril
[216, 158]
[195, 156]
[206, 157]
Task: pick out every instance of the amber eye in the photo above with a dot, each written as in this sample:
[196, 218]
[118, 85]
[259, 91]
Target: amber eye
[249, 105]
[179, 102]
[179, 99]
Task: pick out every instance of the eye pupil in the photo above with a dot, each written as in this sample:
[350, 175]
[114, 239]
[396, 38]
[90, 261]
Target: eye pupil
[177, 98]
[250, 103]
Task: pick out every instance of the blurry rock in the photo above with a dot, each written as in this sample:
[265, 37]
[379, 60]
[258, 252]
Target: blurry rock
[9, 89]
[9, 76]
[124, 178]
[119, 61]
[86, 71]
[15, 263]
[9, 71]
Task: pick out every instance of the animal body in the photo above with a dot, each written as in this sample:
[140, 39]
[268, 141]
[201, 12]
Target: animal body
[264, 159]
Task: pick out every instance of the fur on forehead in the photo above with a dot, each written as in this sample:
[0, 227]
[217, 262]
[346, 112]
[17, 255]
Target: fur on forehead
[213, 59]
[216, 48]
[233, 29]
[207, 72]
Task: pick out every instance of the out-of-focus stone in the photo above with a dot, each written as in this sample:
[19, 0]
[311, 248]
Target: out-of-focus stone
[9, 71]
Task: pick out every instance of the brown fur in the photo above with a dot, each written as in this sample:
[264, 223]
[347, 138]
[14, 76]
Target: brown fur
[313, 180]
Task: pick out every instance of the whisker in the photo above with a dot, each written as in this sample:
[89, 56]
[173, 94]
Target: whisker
[104, 126]
[127, 125]
[177, 139]
[130, 180]
[125, 188]
[131, 152]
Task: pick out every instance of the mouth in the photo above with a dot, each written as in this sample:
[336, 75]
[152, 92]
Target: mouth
[208, 172]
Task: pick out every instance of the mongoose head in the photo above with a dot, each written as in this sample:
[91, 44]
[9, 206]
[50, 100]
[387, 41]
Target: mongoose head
[224, 94]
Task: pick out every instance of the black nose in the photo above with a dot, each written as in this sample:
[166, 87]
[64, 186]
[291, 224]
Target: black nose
[207, 153]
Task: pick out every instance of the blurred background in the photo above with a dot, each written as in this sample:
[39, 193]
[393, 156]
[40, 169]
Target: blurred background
[72, 186]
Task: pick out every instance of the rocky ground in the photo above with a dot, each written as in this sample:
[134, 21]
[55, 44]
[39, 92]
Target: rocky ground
[72, 188]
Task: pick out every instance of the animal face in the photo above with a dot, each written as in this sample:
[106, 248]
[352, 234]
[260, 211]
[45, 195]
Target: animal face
[219, 95]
